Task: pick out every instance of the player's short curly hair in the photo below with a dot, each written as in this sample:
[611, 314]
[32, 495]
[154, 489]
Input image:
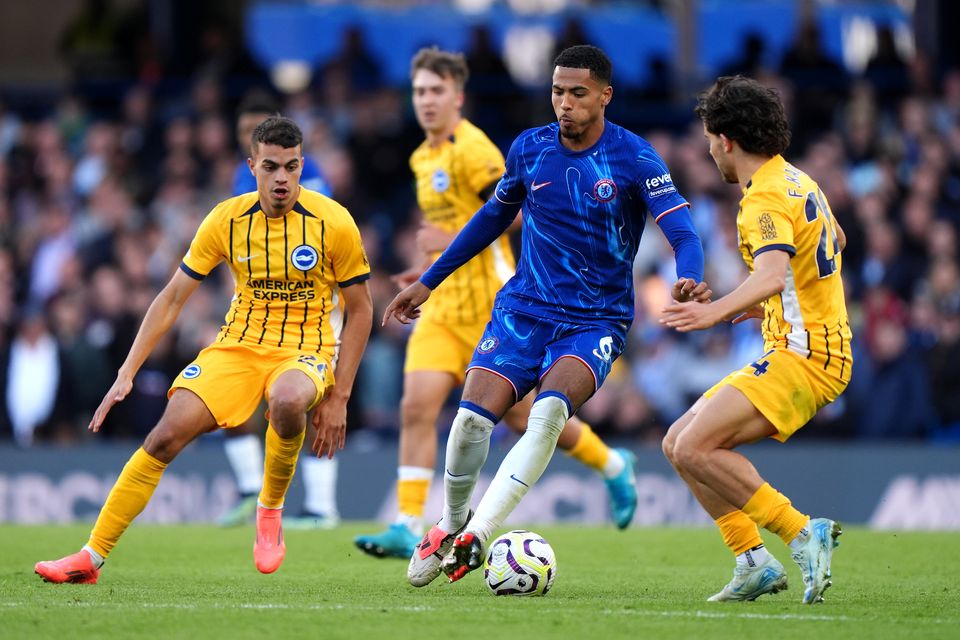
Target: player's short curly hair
[445, 64]
[279, 131]
[746, 112]
[585, 56]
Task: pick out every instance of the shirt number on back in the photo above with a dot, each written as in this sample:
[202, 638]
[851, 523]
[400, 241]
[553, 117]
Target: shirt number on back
[816, 207]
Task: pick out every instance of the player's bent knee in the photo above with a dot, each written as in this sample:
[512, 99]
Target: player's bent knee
[472, 423]
[164, 443]
[686, 454]
[667, 446]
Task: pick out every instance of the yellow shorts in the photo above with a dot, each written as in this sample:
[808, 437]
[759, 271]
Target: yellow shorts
[785, 387]
[232, 378]
[441, 347]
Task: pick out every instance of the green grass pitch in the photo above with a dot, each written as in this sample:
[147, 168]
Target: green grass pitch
[199, 582]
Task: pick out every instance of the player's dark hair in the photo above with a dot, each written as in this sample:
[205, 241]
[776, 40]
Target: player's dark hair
[445, 64]
[279, 131]
[746, 112]
[258, 101]
[585, 56]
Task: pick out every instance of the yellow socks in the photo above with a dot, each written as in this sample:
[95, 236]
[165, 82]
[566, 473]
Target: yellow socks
[279, 463]
[772, 510]
[129, 495]
[590, 449]
[739, 532]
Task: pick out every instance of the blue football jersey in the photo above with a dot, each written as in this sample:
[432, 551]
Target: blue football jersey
[311, 178]
[583, 214]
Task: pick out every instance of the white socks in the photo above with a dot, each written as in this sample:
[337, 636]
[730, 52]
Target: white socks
[245, 454]
[753, 557]
[467, 449]
[319, 485]
[523, 465]
[801, 538]
[94, 556]
[614, 465]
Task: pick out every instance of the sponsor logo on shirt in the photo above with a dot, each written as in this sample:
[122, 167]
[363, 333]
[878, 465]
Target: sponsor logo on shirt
[659, 186]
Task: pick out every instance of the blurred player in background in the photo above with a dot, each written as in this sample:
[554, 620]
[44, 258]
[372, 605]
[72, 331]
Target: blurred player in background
[243, 443]
[584, 186]
[791, 244]
[293, 253]
[457, 168]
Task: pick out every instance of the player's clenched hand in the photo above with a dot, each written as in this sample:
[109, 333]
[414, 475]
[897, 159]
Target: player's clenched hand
[121, 387]
[406, 278]
[431, 238]
[330, 420]
[755, 311]
[405, 307]
[689, 316]
[687, 290]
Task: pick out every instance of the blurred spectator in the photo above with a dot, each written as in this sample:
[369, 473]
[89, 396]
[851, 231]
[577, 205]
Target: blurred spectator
[33, 377]
[887, 70]
[361, 69]
[897, 402]
[819, 84]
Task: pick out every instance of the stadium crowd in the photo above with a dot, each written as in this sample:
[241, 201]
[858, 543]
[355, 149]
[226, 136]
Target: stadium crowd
[101, 193]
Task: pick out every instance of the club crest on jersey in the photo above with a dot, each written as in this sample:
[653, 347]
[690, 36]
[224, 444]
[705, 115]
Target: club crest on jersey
[605, 190]
[487, 345]
[440, 181]
[304, 257]
[192, 371]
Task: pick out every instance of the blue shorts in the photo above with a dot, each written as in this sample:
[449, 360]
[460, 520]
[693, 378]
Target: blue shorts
[521, 348]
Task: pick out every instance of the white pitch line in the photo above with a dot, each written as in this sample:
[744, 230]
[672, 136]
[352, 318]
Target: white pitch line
[426, 608]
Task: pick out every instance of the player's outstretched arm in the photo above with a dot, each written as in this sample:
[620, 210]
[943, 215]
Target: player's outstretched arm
[160, 317]
[405, 307]
[330, 417]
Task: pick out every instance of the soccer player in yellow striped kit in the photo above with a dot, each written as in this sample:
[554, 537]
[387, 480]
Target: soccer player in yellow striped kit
[456, 168]
[791, 244]
[302, 307]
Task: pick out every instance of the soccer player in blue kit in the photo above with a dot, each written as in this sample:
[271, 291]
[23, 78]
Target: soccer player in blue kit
[585, 186]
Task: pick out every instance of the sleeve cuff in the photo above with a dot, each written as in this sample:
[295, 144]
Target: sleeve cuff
[190, 272]
[355, 280]
[670, 210]
[789, 248]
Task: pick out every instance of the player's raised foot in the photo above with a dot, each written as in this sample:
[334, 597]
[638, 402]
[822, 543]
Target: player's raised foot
[465, 556]
[623, 490]
[814, 555]
[307, 520]
[269, 548]
[240, 513]
[77, 568]
[425, 561]
[749, 583]
[396, 542]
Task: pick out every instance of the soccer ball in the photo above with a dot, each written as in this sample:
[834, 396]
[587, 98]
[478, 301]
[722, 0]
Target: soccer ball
[520, 563]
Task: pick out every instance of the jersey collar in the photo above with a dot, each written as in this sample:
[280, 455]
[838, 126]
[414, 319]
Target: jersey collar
[770, 166]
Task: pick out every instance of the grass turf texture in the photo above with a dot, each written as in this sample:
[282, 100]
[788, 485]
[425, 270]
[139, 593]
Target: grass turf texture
[199, 582]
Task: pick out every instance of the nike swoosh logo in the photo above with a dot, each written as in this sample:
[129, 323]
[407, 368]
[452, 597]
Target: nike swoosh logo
[535, 187]
[246, 258]
[455, 475]
[513, 477]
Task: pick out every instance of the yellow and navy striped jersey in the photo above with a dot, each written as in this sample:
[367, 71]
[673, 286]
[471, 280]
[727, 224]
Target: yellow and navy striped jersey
[450, 178]
[784, 209]
[288, 270]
